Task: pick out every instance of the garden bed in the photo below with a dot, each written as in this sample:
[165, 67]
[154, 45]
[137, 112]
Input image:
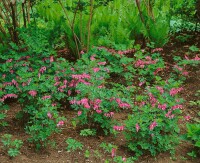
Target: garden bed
[92, 152]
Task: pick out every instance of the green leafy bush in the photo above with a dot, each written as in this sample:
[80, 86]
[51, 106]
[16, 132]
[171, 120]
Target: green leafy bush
[73, 145]
[153, 126]
[12, 147]
[193, 134]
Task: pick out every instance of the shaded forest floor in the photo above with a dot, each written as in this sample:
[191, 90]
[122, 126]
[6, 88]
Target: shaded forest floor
[58, 154]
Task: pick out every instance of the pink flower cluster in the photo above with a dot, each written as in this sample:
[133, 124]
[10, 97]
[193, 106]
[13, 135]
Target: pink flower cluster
[89, 104]
[54, 104]
[162, 106]
[177, 107]
[141, 64]
[46, 97]
[118, 128]
[96, 103]
[79, 113]
[102, 63]
[9, 60]
[160, 89]
[51, 59]
[7, 83]
[4, 76]
[118, 52]
[122, 104]
[137, 127]
[98, 111]
[32, 93]
[81, 76]
[24, 58]
[60, 123]
[109, 115]
[185, 73]
[26, 83]
[152, 125]
[187, 117]
[92, 58]
[84, 102]
[61, 88]
[79, 79]
[13, 82]
[157, 70]
[113, 152]
[178, 68]
[49, 115]
[157, 50]
[153, 100]
[42, 69]
[197, 58]
[141, 83]
[126, 51]
[169, 114]
[96, 69]
[12, 95]
[175, 91]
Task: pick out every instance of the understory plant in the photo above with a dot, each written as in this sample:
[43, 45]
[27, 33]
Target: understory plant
[10, 145]
[153, 125]
[37, 82]
[73, 145]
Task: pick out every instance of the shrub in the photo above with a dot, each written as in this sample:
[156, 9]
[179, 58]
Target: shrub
[153, 126]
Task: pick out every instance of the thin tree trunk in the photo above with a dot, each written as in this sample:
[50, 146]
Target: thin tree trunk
[81, 26]
[71, 27]
[89, 24]
[140, 12]
[143, 21]
[24, 13]
[28, 10]
[14, 21]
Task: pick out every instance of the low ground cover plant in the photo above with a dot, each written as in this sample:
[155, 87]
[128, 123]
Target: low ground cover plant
[10, 145]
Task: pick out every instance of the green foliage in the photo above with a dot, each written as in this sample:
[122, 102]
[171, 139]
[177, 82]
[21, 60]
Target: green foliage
[193, 134]
[31, 82]
[12, 147]
[185, 9]
[87, 154]
[193, 48]
[159, 32]
[3, 108]
[73, 145]
[115, 24]
[88, 132]
[183, 38]
[140, 133]
[192, 154]
[107, 147]
[197, 102]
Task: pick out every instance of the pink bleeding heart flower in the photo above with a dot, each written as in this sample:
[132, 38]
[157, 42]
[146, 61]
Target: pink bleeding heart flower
[137, 127]
[187, 117]
[152, 125]
[113, 152]
[79, 113]
[60, 123]
[49, 115]
[32, 93]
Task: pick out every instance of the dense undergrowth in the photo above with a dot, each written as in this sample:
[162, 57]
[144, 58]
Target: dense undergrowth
[112, 75]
